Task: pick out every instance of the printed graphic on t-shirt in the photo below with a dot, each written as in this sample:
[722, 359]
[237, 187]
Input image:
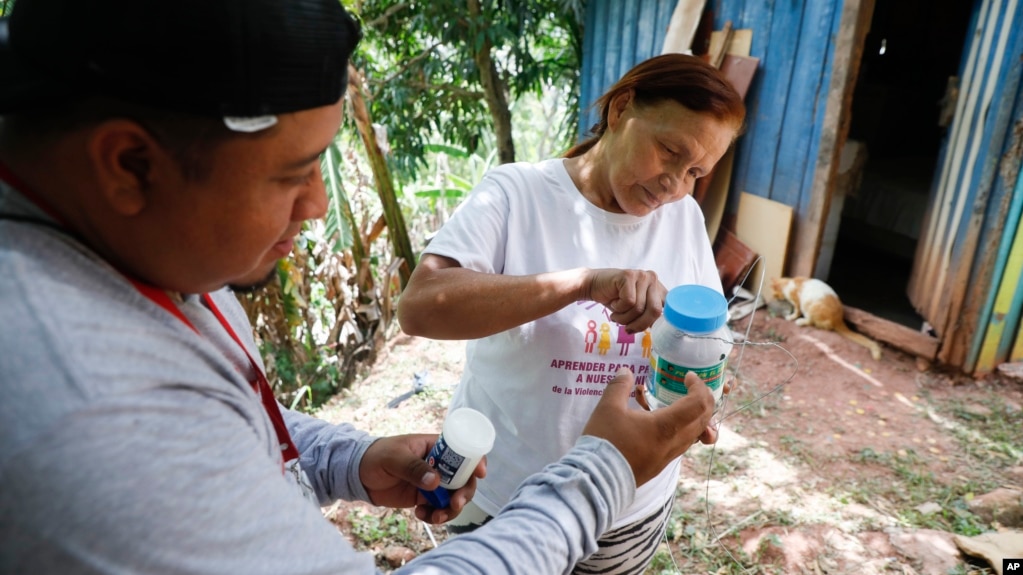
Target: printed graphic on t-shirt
[606, 347]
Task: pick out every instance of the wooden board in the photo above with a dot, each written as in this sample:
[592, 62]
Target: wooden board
[764, 225]
[740, 70]
[739, 45]
[712, 191]
[715, 195]
[682, 26]
[894, 334]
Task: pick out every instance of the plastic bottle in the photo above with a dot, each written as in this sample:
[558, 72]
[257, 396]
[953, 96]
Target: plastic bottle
[690, 336]
[467, 435]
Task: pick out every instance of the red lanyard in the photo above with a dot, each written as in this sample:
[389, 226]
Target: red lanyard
[261, 386]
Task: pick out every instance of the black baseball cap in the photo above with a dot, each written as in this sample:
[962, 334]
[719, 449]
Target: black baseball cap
[243, 60]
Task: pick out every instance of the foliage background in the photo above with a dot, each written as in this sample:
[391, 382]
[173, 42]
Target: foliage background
[439, 123]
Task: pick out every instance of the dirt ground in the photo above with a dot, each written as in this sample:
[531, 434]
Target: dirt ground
[828, 461]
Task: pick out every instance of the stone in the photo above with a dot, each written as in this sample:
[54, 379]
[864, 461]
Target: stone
[396, 555]
[1004, 505]
[931, 550]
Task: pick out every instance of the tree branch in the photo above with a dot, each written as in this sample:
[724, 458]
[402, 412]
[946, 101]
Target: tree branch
[408, 64]
[381, 21]
[448, 88]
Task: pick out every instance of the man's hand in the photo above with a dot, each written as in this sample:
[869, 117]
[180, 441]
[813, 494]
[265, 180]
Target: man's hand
[650, 440]
[394, 468]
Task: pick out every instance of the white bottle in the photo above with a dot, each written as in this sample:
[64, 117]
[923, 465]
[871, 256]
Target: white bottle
[690, 336]
[467, 435]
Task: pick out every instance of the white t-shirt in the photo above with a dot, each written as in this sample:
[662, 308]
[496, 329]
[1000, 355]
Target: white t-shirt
[540, 381]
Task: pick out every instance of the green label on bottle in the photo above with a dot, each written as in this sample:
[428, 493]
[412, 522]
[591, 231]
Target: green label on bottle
[669, 379]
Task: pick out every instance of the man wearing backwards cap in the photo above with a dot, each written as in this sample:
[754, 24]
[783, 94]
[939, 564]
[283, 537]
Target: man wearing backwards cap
[153, 155]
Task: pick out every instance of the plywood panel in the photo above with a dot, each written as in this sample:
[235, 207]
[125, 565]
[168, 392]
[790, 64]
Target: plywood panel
[740, 44]
[764, 225]
[713, 203]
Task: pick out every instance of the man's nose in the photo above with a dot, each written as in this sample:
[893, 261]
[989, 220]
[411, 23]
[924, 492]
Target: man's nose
[313, 203]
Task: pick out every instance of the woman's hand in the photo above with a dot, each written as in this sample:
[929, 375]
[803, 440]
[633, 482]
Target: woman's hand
[634, 297]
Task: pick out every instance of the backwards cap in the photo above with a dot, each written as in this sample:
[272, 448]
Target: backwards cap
[244, 60]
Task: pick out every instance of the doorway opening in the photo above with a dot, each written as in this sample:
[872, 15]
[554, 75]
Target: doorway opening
[902, 108]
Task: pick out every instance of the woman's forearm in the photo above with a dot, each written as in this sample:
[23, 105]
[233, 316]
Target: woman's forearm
[457, 303]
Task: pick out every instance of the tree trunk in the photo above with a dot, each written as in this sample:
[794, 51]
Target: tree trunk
[494, 91]
[398, 231]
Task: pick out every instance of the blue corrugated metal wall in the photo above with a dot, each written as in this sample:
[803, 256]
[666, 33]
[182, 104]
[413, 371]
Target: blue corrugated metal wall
[618, 35]
[972, 220]
[777, 156]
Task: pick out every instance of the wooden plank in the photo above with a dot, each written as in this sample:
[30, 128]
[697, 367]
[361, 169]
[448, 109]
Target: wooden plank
[995, 184]
[740, 71]
[845, 67]
[894, 334]
[589, 83]
[716, 197]
[764, 225]
[661, 11]
[627, 57]
[739, 45]
[968, 262]
[612, 47]
[649, 30]
[806, 95]
[682, 26]
[733, 259]
[958, 186]
[756, 16]
[717, 54]
[712, 191]
[767, 109]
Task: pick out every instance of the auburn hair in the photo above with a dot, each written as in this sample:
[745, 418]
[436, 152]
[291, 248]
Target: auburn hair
[685, 79]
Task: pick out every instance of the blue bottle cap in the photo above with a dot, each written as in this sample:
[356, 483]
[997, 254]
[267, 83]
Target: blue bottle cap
[695, 308]
[438, 498]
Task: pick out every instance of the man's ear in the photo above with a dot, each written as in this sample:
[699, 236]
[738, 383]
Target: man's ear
[619, 103]
[122, 154]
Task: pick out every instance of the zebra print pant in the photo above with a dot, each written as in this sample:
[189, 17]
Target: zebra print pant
[626, 550]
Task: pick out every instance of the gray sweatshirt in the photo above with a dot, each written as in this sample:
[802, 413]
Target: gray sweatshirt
[131, 444]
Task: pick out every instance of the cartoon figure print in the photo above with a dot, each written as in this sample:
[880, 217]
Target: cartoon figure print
[591, 336]
[601, 339]
[605, 339]
[625, 340]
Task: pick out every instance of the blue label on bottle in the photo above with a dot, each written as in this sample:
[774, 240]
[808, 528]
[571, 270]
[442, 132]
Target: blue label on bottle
[445, 460]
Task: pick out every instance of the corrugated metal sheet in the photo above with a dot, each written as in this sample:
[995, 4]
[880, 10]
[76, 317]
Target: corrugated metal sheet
[953, 284]
[618, 35]
[997, 273]
[776, 157]
[1003, 316]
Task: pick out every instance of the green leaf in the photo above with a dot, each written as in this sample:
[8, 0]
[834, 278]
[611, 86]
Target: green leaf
[445, 149]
